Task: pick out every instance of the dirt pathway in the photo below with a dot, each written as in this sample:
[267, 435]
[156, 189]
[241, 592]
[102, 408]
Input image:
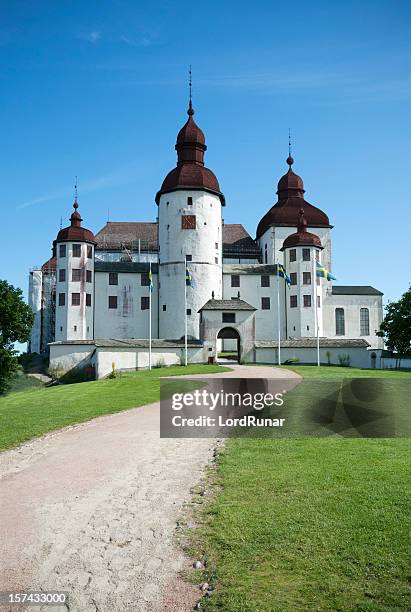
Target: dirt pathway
[92, 510]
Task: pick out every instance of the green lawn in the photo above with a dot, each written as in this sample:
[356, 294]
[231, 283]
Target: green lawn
[308, 371]
[34, 411]
[308, 524]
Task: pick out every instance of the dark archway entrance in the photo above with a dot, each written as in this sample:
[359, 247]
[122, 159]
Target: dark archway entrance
[230, 345]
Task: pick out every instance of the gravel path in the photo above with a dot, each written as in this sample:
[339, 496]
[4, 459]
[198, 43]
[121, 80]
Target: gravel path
[92, 510]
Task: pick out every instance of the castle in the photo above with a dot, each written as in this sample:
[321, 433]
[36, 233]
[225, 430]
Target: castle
[96, 298]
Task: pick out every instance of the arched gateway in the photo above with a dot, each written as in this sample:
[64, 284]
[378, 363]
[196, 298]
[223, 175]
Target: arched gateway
[230, 344]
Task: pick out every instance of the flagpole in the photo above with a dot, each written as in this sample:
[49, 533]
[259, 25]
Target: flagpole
[278, 317]
[316, 309]
[149, 323]
[185, 312]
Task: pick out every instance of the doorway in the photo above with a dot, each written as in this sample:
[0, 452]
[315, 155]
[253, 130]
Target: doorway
[228, 345]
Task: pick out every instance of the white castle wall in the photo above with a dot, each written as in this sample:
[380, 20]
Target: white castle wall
[251, 291]
[128, 320]
[352, 305]
[204, 244]
[35, 291]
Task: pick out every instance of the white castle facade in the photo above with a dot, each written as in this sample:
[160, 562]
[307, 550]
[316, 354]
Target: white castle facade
[92, 298]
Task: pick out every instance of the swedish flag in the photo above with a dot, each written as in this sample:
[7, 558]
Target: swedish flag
[189, 280]
[323, 273]
[283, 274]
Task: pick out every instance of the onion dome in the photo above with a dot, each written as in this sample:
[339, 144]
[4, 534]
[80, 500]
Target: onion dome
[302, 237]
[190, 172]
[285, 212]
[74, 232]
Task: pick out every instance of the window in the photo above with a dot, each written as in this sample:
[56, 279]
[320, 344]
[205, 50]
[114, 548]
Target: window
[235, 280]
[76, 275]
[89, 276]
[293, 278]
[317, 256]
[216, 260]
[216, 245]
[145, 279]
[189, 201]
[75, 328]
[89, 251]
[293, 301]
[265, 280]
[112, 301]
[188, 222]
[318, 280]
[188, 311]
[306, 255]
[62, 276]
[364, 322]
[189, 258]
[62, 250]
[113, 278]
[88, 299]
[76, 250]
[265, 253]
[62, 299]
[293, 255]
[306, 278]
[228, 317]
[307, 301]
[164, 307]
[75, 299]
[145, 303]
[265, 303]
[318, 301]
[339, 322]
[61, 328]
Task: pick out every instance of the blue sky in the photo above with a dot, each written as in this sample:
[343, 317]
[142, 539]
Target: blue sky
[98, 89]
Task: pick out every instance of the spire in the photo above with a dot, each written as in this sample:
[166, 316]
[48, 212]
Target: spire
[75, 191]
[190, 111]
[302, 222]
[75, 219]
[290, 159]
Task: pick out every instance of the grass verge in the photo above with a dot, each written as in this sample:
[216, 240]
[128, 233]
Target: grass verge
[307, 524]
[35, 411]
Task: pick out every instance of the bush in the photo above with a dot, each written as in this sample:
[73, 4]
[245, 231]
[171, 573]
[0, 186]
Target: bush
[344, 360]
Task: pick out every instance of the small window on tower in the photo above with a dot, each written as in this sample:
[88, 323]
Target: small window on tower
[265, 303]
[113, 278]
[89, 251]
[62, 250]
[145, 279]
[189, 258]
[62, 299]
[189, 201]
[306, 278]
[188, 311]
[293, 255]
[62, 276]
[216, 245]
[318, 301]
[76, 275]
[235, 280]
[75, 299]
[293, 301]
[61, 328]
[76, 250]
[88, 299]
[293, 278]
[164, 307]
[265, 280]
[306, 255]
[216, 260]
[265, 253]
[307, 301]
[112, 301]
[188, 222]
[89, 276]
[75, 328]
[145, 302]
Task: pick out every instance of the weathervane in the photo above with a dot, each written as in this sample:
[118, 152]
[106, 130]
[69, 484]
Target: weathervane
[190, 82]
[289, 142]
[75, 191]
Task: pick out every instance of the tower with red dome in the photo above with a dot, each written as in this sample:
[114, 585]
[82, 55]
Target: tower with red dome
[189, 233]
[74, 246]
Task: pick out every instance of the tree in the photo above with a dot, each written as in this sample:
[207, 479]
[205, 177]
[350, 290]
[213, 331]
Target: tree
[396, 326]
[16, 320]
